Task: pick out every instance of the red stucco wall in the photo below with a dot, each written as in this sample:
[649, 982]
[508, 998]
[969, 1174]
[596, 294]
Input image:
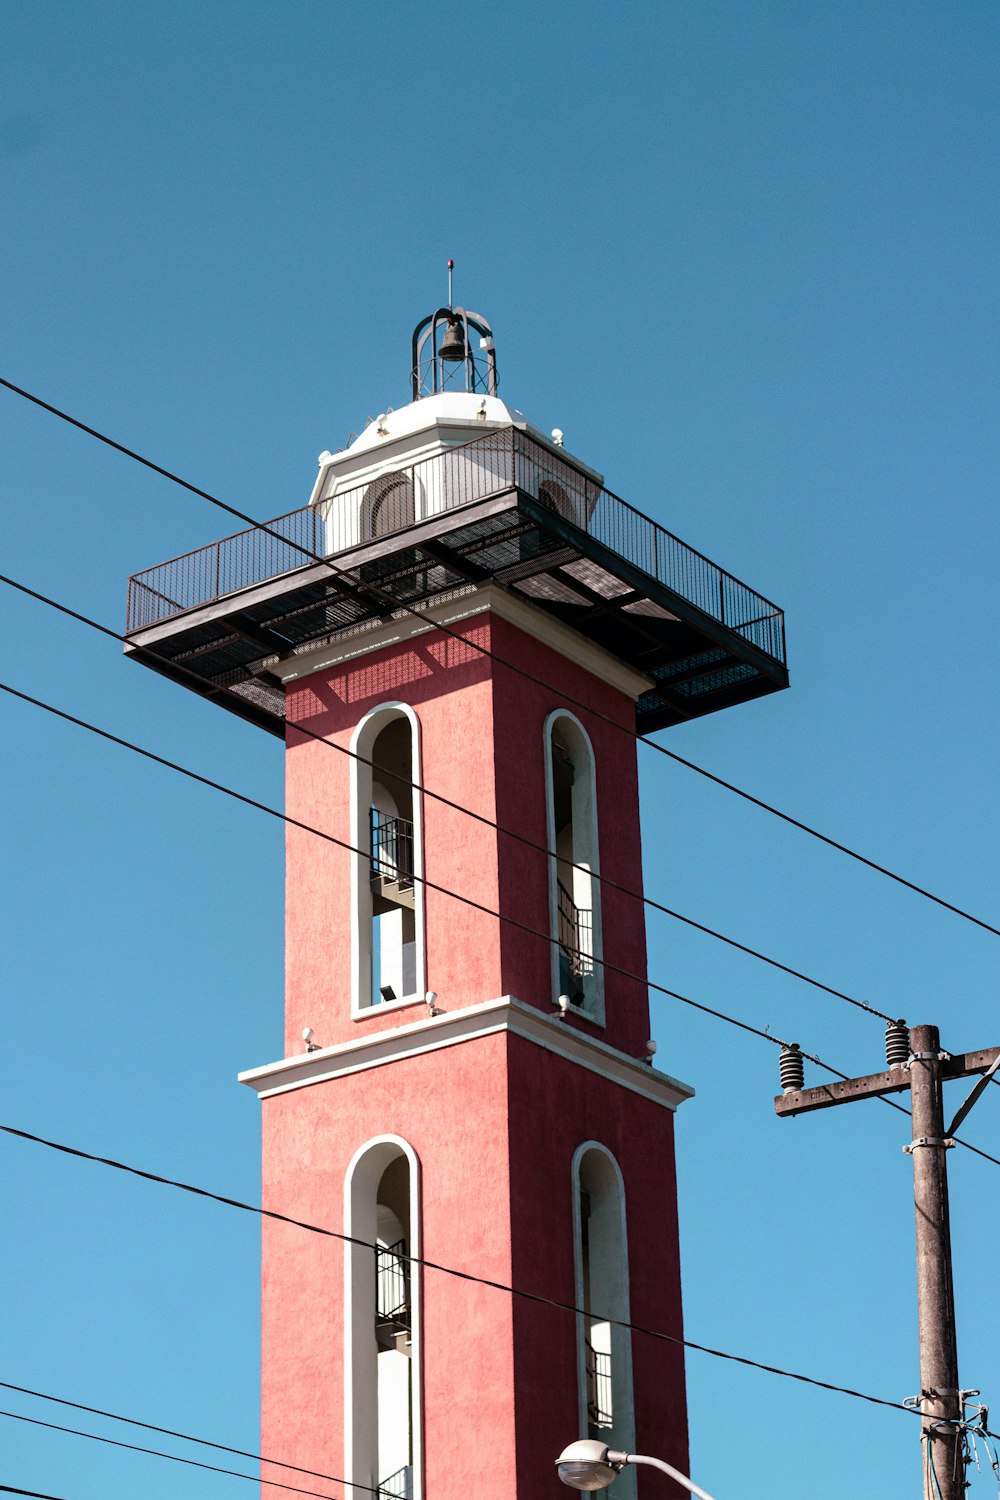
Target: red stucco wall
[482, 747]
[520, 708]
[452, 1108]
[495, 1122]
[449, 687]
[554, 1108]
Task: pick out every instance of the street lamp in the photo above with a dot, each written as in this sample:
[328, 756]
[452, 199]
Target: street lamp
[590, 1465]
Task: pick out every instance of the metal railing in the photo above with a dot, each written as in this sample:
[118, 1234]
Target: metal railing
[224, 567]
[599, 1400]
[392, 848]
[392, 1284]
[398, 1486]
[576, 933]
[500, 460]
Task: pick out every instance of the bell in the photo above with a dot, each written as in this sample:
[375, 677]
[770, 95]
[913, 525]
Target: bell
[453, 343]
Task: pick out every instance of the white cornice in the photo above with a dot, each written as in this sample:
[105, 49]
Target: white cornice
[479, 599]
[504, 1015]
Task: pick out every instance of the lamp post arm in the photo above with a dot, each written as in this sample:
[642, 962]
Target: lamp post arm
[665, 1468]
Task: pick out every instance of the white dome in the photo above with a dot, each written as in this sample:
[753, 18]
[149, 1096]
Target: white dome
[416, 435]
[447, 409]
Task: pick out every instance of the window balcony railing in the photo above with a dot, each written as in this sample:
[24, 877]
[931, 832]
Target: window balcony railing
[398, 1486]
[576, 933]
[392, 849]
[599, 1402]
[392, 1285]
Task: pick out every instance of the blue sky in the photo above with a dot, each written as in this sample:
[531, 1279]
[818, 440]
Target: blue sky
[745, 256]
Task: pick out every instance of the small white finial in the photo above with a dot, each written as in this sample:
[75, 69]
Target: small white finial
[307, 1037]
[324, 457]
[451, 267]
[557, 436]
[563, 1004]
[650, 1052]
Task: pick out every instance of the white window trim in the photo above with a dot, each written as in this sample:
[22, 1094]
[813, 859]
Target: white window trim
[356, 1349]
[362, 743]
[625, 1430]
[595, 1012]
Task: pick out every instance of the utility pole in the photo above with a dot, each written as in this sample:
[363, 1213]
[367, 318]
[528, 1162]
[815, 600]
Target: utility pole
[916, 1062]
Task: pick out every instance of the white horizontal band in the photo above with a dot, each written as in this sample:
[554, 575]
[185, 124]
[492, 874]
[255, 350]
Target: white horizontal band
[450, 1029]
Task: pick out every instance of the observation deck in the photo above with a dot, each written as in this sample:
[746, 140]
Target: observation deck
[504, 509]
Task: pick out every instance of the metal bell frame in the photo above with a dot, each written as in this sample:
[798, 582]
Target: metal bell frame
[427, 331]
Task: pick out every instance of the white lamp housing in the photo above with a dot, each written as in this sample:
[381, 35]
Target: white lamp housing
[585, 1465]
[590, 1465]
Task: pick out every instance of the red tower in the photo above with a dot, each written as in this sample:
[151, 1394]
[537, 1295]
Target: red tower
[457, 638]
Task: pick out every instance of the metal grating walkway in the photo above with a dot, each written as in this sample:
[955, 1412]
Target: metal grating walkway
[534, 525]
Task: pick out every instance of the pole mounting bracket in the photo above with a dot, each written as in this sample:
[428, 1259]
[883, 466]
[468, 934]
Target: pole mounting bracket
[929, 1140]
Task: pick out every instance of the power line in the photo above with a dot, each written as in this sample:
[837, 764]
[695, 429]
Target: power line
[691, 765]
[241, 515]
[218, 1469]
[902, 1109]
[176, 1458]
[274, 812]
[481, 818]
[208, 1443]
[398, 605]
[824, 838]
[185, 1437]
[12, 1489]
[415, 1260]
[530, 843]
[215, 1468]
[975, 1149]
[604, 880]
[430, 1265]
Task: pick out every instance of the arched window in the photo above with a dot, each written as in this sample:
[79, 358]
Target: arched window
[388, 505]
[602, 1290]
[554, 497]
[574, 892]
[387, 959]
[382, 1323]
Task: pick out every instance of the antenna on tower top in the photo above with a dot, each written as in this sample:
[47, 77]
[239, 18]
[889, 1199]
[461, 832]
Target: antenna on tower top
[451, 267]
